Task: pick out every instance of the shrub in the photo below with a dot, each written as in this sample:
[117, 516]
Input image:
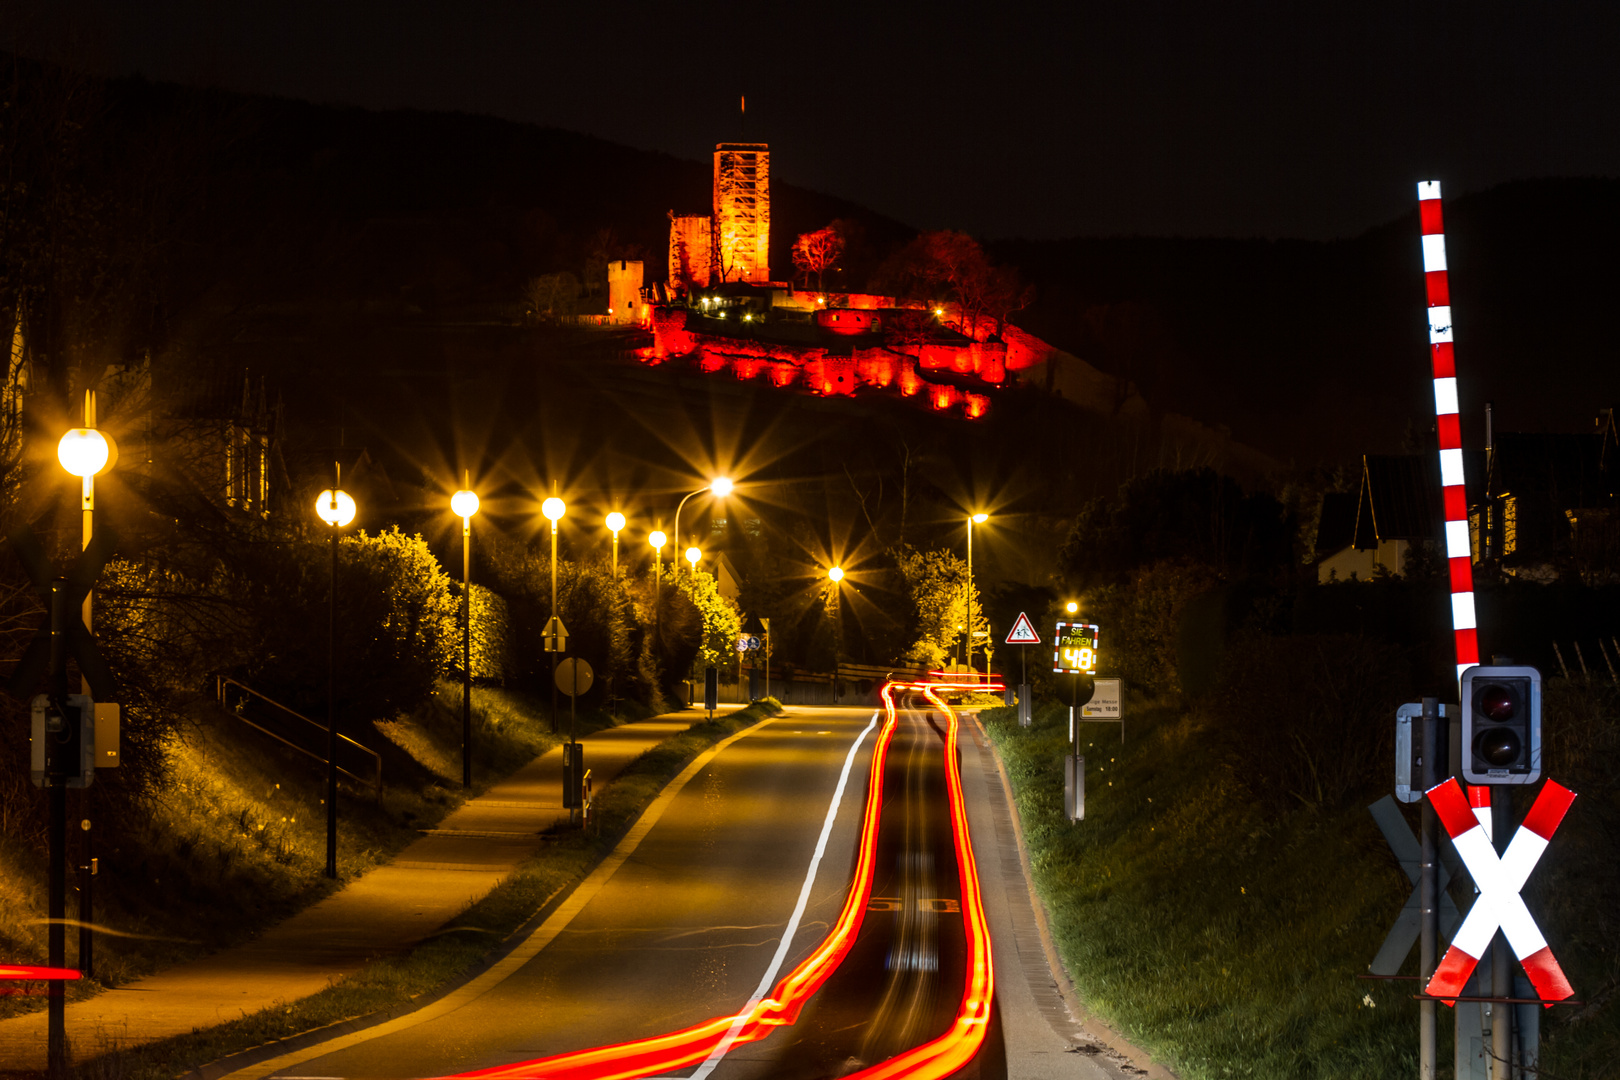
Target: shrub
[1311, 718]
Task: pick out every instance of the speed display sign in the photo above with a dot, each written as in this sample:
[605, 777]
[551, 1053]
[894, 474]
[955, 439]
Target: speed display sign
[1076, 649]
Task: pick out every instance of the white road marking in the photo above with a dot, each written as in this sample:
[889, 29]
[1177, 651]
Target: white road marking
[765, 984]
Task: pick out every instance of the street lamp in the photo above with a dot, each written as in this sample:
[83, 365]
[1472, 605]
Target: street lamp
[721, 486]
[465, 504]
[615, 522]
[657, 539]
[836, 576]
[335, 507]
[554, 508]
[694, 555]
[83, 452]
[973, 519]
[1071, 607]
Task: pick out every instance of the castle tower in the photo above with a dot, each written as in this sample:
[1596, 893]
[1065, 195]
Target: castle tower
[690, 247]
[624, 291]
[742, 212]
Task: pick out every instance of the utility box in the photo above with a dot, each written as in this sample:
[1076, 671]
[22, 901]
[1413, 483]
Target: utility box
[62, 743]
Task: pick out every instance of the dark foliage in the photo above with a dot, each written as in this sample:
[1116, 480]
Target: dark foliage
[1199, 517]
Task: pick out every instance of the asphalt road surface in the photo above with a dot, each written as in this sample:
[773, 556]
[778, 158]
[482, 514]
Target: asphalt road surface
[688, 926]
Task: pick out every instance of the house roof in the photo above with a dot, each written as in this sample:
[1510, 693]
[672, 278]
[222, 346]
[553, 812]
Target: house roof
[1401, 496]
[1569, 471]
[1336, 528]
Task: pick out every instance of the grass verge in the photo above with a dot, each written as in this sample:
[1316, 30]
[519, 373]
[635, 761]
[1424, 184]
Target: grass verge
[1223, 939]
[396, 981]
[236, 840]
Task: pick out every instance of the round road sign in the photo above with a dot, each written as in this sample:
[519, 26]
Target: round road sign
[574, 676]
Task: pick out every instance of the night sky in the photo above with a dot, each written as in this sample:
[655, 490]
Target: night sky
[1013, 118]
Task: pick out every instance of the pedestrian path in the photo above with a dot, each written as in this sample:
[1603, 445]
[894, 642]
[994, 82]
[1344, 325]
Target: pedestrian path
[388, 909]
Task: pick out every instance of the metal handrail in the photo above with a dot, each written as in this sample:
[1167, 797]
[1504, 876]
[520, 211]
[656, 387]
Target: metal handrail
[221, 681]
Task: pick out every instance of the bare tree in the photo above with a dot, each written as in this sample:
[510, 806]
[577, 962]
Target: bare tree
[816, 252]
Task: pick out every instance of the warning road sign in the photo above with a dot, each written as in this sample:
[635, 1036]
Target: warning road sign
[555, 636]
[1023, 632]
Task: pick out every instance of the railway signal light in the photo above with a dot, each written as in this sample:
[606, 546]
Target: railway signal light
[1501, 725]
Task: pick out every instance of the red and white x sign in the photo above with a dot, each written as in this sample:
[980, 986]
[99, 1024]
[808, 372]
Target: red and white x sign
[1499, 879]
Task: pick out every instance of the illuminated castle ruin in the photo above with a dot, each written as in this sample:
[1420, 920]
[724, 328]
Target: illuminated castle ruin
[720, 310]
[689, 251]
[742, 212]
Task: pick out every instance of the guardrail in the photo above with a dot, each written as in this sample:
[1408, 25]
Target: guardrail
[221, 682]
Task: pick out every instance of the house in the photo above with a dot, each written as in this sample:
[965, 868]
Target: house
[1549, 503]
[1397, 511]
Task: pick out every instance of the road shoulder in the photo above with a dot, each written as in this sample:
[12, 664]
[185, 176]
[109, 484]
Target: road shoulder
[1049, 1033]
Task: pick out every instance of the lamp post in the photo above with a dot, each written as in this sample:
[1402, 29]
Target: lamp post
[554, 508]
[1073, 609]
[335, 507]
[464, 504]
[615, 522]
[83, 452]
[657, 539]
[973, 519]
[694, 555]
[835, 577]
[721, 486]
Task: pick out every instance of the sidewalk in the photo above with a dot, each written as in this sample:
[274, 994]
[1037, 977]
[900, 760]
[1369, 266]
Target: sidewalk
[387, 910]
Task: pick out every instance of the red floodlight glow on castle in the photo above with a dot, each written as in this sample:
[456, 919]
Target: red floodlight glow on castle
[1448, 424]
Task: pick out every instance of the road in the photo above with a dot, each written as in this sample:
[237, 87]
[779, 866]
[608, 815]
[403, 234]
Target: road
[689, 926]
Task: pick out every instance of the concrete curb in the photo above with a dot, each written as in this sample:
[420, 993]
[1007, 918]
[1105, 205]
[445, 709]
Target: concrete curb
[264, 1052]
[1088, 1022]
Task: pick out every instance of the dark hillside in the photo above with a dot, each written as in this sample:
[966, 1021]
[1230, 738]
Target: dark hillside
[1318, 350]
[300, 201]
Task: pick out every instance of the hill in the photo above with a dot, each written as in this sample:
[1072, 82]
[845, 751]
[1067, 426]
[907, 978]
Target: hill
[1318, 350]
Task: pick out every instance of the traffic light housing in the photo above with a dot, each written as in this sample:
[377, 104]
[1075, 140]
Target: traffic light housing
[1501, 725]
[63, 742]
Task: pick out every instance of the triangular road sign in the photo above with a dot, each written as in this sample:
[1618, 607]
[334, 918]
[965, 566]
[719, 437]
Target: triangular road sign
[1023, 633]
[555, 636]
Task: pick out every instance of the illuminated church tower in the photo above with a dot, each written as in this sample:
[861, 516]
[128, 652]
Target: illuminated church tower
[742, 212]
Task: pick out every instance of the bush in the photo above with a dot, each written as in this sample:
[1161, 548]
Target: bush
[1311, 718]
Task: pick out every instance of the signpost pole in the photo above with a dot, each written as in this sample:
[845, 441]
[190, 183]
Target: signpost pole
[1435, 737]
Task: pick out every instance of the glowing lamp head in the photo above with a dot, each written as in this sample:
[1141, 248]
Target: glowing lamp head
[83, 451]
[336, 511]
[615, 522]
[693, 556]
[1071, 607]
[464, 504]
[939, 311]
[553, 508]
[657, 539]
[722, 486]
[836, 573]
[980, 519]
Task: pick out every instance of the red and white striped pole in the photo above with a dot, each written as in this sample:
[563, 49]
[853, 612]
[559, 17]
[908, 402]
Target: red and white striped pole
[1459, 555]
